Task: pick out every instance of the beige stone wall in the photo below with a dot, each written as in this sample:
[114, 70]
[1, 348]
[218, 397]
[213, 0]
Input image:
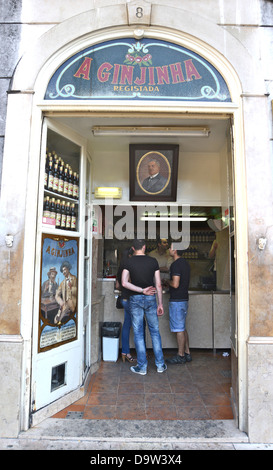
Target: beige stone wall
[10, 389]
[260, 215]
[242, 35]
[260, 398]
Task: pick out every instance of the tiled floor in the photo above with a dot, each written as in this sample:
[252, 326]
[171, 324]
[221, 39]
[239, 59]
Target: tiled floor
[199, 390]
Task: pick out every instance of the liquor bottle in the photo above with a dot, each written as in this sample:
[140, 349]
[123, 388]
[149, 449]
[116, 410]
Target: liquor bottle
[55, 157]
[52, 208]
[70, 184]
[55, 178]
[75, 186]
[61, 181]
[63, 216]
[68, 216]
[45, 176]
[46, 209]
[48, 160]
[78, 186]
[65, 182]
[67, 168]
[50, 177]
[58, 213]
[73, 218]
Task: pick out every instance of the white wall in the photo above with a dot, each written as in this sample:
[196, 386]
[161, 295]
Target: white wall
[198, 175]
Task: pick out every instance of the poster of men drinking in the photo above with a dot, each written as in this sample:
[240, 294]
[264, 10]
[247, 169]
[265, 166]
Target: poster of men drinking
[59, 291]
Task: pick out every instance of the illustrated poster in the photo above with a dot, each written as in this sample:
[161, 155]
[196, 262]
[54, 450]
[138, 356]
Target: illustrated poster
[58, 316]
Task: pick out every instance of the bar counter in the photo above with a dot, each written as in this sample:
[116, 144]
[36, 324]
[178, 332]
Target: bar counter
[208, 319]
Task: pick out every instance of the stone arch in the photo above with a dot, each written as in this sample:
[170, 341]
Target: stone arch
[218, 45]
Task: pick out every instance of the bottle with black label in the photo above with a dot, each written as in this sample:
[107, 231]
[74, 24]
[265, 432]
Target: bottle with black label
[63, 216]
[75, 186]
[65, 182]
[70, 184]
[78, 185]
[46, 209]
[46, 173]
[50, 177]
[55, 178]
[48, 160]
[61, 181]
[58, 213]
[73, 218]
[68, 216]
[53, 208]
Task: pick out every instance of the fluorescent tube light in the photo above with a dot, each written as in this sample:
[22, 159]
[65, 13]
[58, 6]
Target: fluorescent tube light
[175, 219]
[108, 192]
[157, 131]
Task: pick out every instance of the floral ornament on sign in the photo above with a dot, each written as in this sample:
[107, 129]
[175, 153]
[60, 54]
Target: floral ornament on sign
[135, 56]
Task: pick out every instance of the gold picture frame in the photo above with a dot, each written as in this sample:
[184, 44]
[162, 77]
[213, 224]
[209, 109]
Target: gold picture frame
[153, 172]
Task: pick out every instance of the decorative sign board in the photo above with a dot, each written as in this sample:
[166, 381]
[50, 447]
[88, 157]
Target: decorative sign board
[126, 69]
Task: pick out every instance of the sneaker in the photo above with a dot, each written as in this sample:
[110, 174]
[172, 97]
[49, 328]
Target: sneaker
[137, 370]
[161, 369]
[176, 360]
[188, 357]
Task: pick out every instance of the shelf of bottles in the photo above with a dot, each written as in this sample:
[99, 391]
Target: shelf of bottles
[200, 243]
[61, 193]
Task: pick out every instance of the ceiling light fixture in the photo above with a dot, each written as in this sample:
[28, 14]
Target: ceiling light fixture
[157, 131]
[174, 219]
[108, 192]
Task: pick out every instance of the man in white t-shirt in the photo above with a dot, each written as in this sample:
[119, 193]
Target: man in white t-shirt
[163, 257]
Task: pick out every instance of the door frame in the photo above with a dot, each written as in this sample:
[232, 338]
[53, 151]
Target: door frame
[233, 110]
[66, 352]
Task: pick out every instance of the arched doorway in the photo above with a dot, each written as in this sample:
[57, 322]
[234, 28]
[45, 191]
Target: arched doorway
[233, 110]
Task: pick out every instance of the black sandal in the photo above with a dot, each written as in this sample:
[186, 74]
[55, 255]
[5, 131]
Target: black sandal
[128, 357]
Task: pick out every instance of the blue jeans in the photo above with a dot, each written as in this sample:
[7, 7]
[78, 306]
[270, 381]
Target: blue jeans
[125, 334]
[141, 305]
[178, 312]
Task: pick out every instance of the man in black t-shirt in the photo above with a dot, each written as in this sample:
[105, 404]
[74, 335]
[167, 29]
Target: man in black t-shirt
[178, 305]
[140, 273]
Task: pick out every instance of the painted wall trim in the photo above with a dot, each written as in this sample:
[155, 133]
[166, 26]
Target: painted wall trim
[260, 340]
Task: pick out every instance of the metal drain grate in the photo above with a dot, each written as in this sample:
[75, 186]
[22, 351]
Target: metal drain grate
[74, 415]
[226, 373]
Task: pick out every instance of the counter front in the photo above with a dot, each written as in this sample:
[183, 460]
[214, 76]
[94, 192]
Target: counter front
[208, 319]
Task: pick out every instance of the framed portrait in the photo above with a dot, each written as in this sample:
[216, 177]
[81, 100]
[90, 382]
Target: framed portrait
[153, 172]
[58, 309]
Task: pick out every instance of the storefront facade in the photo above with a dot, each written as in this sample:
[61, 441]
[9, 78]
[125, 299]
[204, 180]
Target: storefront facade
[48, 362]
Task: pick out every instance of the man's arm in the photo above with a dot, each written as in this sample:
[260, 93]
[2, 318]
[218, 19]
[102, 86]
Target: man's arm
[160, 310]
[173, 282]
[128, 285]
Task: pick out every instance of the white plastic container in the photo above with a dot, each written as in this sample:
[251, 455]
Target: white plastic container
[110, 349]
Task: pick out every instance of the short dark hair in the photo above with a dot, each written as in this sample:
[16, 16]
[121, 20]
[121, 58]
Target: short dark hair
[180, 252]
[159, 240]
[138, 244]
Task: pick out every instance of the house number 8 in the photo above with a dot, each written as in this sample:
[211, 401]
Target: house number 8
[139, 12]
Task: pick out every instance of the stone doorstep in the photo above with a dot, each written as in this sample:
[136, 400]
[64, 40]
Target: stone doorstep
[176, 431]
